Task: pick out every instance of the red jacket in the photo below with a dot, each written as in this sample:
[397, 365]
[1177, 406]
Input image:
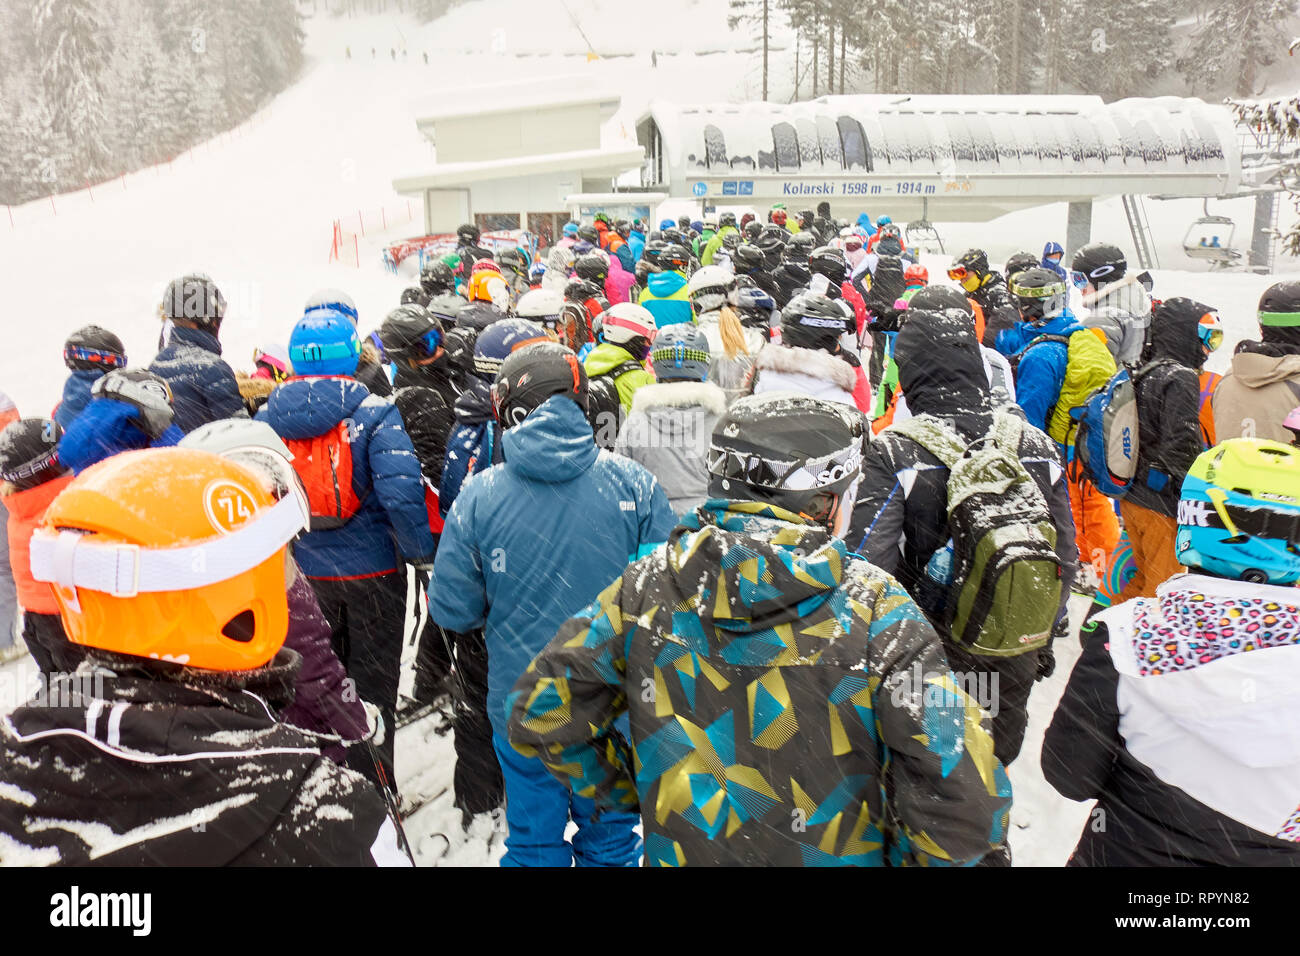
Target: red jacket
[26, 509]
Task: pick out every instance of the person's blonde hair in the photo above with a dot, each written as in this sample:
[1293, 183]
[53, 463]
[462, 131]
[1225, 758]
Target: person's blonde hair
[732, 332]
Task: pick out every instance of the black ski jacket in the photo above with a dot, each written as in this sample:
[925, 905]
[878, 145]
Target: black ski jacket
[153, 765]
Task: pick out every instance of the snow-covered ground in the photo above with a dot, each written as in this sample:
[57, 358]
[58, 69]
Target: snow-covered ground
[254, 209]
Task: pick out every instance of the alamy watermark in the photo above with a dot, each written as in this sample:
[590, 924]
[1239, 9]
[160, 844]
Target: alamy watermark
[942, 689]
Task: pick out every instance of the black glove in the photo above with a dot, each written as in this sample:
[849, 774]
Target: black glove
[1046, 662]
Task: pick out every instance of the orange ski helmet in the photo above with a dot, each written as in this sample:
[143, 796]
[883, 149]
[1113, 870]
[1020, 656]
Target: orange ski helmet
[172, 554]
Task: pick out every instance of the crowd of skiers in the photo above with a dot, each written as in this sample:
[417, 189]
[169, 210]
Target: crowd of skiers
[690, 506]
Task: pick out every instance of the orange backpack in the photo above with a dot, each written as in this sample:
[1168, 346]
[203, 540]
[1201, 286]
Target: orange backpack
[324, 464]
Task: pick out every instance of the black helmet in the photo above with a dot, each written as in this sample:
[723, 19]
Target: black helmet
[653, 248]
[194, 298]
[726, 219]
[410, 333]
[436, 277]
[91, 347]
[588, 233]
[446, 307]
[149, 394]
[468, 234]
[459, 344]
[1280, 299]
[800, 248]
[1100, 262]
[752, 230]
[534, 374]
[940, 298]
[675, 257]
[1040, 293]
[29, 452]
[771, 231]
[593, 267]
[812, 321]
[413, 296]
[513, 260]
[623, 228]
[806, 217]
[788, 450]
[684, 223]
[829, 262]
[1279, 307]
[673, 236]
[1019, 263]
[973, 260]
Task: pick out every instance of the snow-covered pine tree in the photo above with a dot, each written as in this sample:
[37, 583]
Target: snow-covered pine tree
[759, 16]
[73, 50]
[1281, 120]
[1239, 36]
[1115, 48]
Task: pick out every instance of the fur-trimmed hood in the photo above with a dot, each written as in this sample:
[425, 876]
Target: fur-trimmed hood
[814, 363]
[1127, 295]
[704, 395]
[254, 389]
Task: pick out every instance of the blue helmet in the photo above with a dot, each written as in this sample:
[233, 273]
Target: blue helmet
[697, 225]
[501, 338]
[324, 342]
[335, 299]
[667, 224]
[570, 229]
[536, 271]
[681, 352]
[1239, 513]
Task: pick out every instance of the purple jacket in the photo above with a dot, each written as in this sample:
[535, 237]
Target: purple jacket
[618, 282]
[323, 702]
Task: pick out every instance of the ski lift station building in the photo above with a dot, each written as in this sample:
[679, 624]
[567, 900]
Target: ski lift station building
[941, 158]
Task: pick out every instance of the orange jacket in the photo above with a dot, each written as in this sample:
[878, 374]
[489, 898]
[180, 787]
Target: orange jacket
[26, 509]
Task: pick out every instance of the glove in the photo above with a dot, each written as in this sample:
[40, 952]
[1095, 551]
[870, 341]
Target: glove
[1046, 662]
[375, 730]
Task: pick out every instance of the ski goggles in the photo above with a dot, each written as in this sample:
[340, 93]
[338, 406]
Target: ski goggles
[852, 244]
[67, 559]
[1053, 290]
[1210, 332]
[30, 469]
[957, 273]
[1239, 515]
[97, 356]
[805, 474]
[1079, 280]
[432, 340]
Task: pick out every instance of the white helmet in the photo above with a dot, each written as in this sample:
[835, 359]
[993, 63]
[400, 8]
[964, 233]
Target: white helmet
[626, 321]
[540, 304]
[256, 446]
[711, 288]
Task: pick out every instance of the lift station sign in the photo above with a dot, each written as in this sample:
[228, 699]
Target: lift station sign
[795, 188]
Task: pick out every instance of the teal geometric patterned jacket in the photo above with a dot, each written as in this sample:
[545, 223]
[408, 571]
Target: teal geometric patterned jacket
[788, 704]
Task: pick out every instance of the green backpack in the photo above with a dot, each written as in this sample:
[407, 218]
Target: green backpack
[1006, 575]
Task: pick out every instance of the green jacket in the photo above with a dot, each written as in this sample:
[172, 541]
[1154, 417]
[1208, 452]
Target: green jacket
[788, 704]
[604, 358]
[714, 244]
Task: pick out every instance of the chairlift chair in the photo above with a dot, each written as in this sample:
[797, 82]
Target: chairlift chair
[1210, 239]
[921, 235]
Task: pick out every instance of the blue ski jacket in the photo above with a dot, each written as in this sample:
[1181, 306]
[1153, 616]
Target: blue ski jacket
[530, 542]
[203, 385]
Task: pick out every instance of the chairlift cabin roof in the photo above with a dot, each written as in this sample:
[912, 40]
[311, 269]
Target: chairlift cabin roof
[941, 157]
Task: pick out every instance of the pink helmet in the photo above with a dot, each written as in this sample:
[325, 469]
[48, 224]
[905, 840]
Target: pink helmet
[1292, 422]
